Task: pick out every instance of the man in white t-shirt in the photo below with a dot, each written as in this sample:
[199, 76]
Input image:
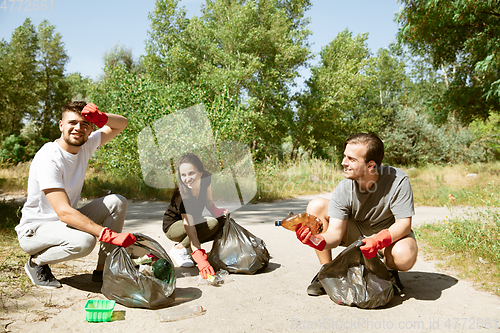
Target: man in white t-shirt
[373, 201]
[52, 229]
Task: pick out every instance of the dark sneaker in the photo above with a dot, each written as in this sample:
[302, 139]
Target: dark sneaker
[315, 288]
[398, 290]
[41, 275]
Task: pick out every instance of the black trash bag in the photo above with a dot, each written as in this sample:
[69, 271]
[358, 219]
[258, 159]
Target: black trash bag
[352, 279]
[124, 283]
[237, 250]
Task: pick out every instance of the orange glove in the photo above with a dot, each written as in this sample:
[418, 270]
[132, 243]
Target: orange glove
[119, 239]
[200, 256]
[304, 235]
[218, 212]
[373, 244]
[93, 115]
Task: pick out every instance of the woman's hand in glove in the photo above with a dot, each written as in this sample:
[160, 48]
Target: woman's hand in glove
[200, 257]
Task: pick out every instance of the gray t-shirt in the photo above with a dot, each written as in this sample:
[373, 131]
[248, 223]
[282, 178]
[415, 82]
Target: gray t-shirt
[391, 198]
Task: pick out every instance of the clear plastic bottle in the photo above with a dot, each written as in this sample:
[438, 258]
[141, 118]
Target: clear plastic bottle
[215, 280]
[292, 220]
[181, 312]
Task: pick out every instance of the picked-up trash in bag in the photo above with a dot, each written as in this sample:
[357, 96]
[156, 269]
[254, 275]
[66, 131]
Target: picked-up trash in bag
[129, 280]
[352, 279]
[237, 250]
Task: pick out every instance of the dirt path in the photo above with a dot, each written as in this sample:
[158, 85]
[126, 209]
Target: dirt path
[272, 301]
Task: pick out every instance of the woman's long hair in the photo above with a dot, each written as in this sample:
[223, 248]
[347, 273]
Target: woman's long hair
[194, 160]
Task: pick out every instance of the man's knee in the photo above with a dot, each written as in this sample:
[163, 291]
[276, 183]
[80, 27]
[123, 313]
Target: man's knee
[116, 200]
[82, 246]
[318, 207]
[402, 255]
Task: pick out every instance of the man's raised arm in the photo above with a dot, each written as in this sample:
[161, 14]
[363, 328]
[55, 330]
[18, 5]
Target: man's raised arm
[111, 124]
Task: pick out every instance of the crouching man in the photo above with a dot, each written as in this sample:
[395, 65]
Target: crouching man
[52, 229]
[373, 201]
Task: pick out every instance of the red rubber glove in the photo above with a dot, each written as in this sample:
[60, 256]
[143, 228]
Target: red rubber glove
[120, 239]
[200, 256]
[378, 242]
[93, 115]
[218, 212]
[304, 235]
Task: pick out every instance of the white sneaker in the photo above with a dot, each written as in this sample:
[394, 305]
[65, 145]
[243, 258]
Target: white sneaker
[181, 257]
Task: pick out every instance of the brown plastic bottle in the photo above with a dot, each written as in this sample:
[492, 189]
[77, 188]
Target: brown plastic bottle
[292, 220]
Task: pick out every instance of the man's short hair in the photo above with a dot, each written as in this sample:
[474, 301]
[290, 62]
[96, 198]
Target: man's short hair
[74, 106]
[374, 146]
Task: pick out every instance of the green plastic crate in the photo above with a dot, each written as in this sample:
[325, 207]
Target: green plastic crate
[97, 310]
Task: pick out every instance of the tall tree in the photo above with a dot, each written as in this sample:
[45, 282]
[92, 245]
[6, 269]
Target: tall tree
[462, 37]
[18, 98]
[53, 88]
[328, 110]
[249, 49]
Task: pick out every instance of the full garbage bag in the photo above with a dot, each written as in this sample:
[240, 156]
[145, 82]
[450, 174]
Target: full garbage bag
[352, 279]
[123, 282]
[237, 250]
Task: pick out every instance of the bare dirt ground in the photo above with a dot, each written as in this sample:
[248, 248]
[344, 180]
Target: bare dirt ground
[274, 300]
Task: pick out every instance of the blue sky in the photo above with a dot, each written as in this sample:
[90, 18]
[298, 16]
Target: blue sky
[89, 28]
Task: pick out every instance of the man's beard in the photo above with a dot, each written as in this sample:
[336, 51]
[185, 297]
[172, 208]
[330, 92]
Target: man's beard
[72, 142]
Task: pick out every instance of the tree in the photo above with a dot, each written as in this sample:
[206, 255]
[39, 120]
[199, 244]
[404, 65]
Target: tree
[248, 49]
[462, 38]
[120, 55]
[143, 100]
[54, 91]
[329, 108]
[18, 96]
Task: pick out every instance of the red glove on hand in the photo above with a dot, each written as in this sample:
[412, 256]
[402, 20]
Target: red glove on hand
[373, 244]
[93, 115]
[120, 239]
[217, 212]
[305, 235]
[200, 256]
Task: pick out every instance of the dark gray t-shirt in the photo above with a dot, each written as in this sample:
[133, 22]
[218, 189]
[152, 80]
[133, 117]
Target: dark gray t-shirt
[391, 198]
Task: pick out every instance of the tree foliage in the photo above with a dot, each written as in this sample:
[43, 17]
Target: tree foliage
[18, 78]
[53, 88]
[462, 38]
[329, 110]
[248, 49]
[144, 100]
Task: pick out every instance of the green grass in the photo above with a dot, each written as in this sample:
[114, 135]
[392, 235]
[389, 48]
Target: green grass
[469, 245]
[276, 181]
[432, 184]
[13, 281]
[98, 184]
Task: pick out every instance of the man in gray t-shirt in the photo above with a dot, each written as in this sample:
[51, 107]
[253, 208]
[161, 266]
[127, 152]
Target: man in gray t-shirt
[373, 201]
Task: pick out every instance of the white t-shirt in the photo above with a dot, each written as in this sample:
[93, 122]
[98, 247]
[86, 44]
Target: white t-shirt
[53, 167]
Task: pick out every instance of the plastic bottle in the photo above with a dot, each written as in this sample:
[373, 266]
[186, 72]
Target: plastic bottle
[292, 220]
[181, 312]
[215, 280]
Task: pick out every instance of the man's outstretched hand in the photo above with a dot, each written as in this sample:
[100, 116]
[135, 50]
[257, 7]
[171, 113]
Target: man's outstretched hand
[93, 115]
[124, 239]
[372, 244]
[305, 235]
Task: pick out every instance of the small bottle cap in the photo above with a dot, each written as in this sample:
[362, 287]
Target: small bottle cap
[277, 223]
